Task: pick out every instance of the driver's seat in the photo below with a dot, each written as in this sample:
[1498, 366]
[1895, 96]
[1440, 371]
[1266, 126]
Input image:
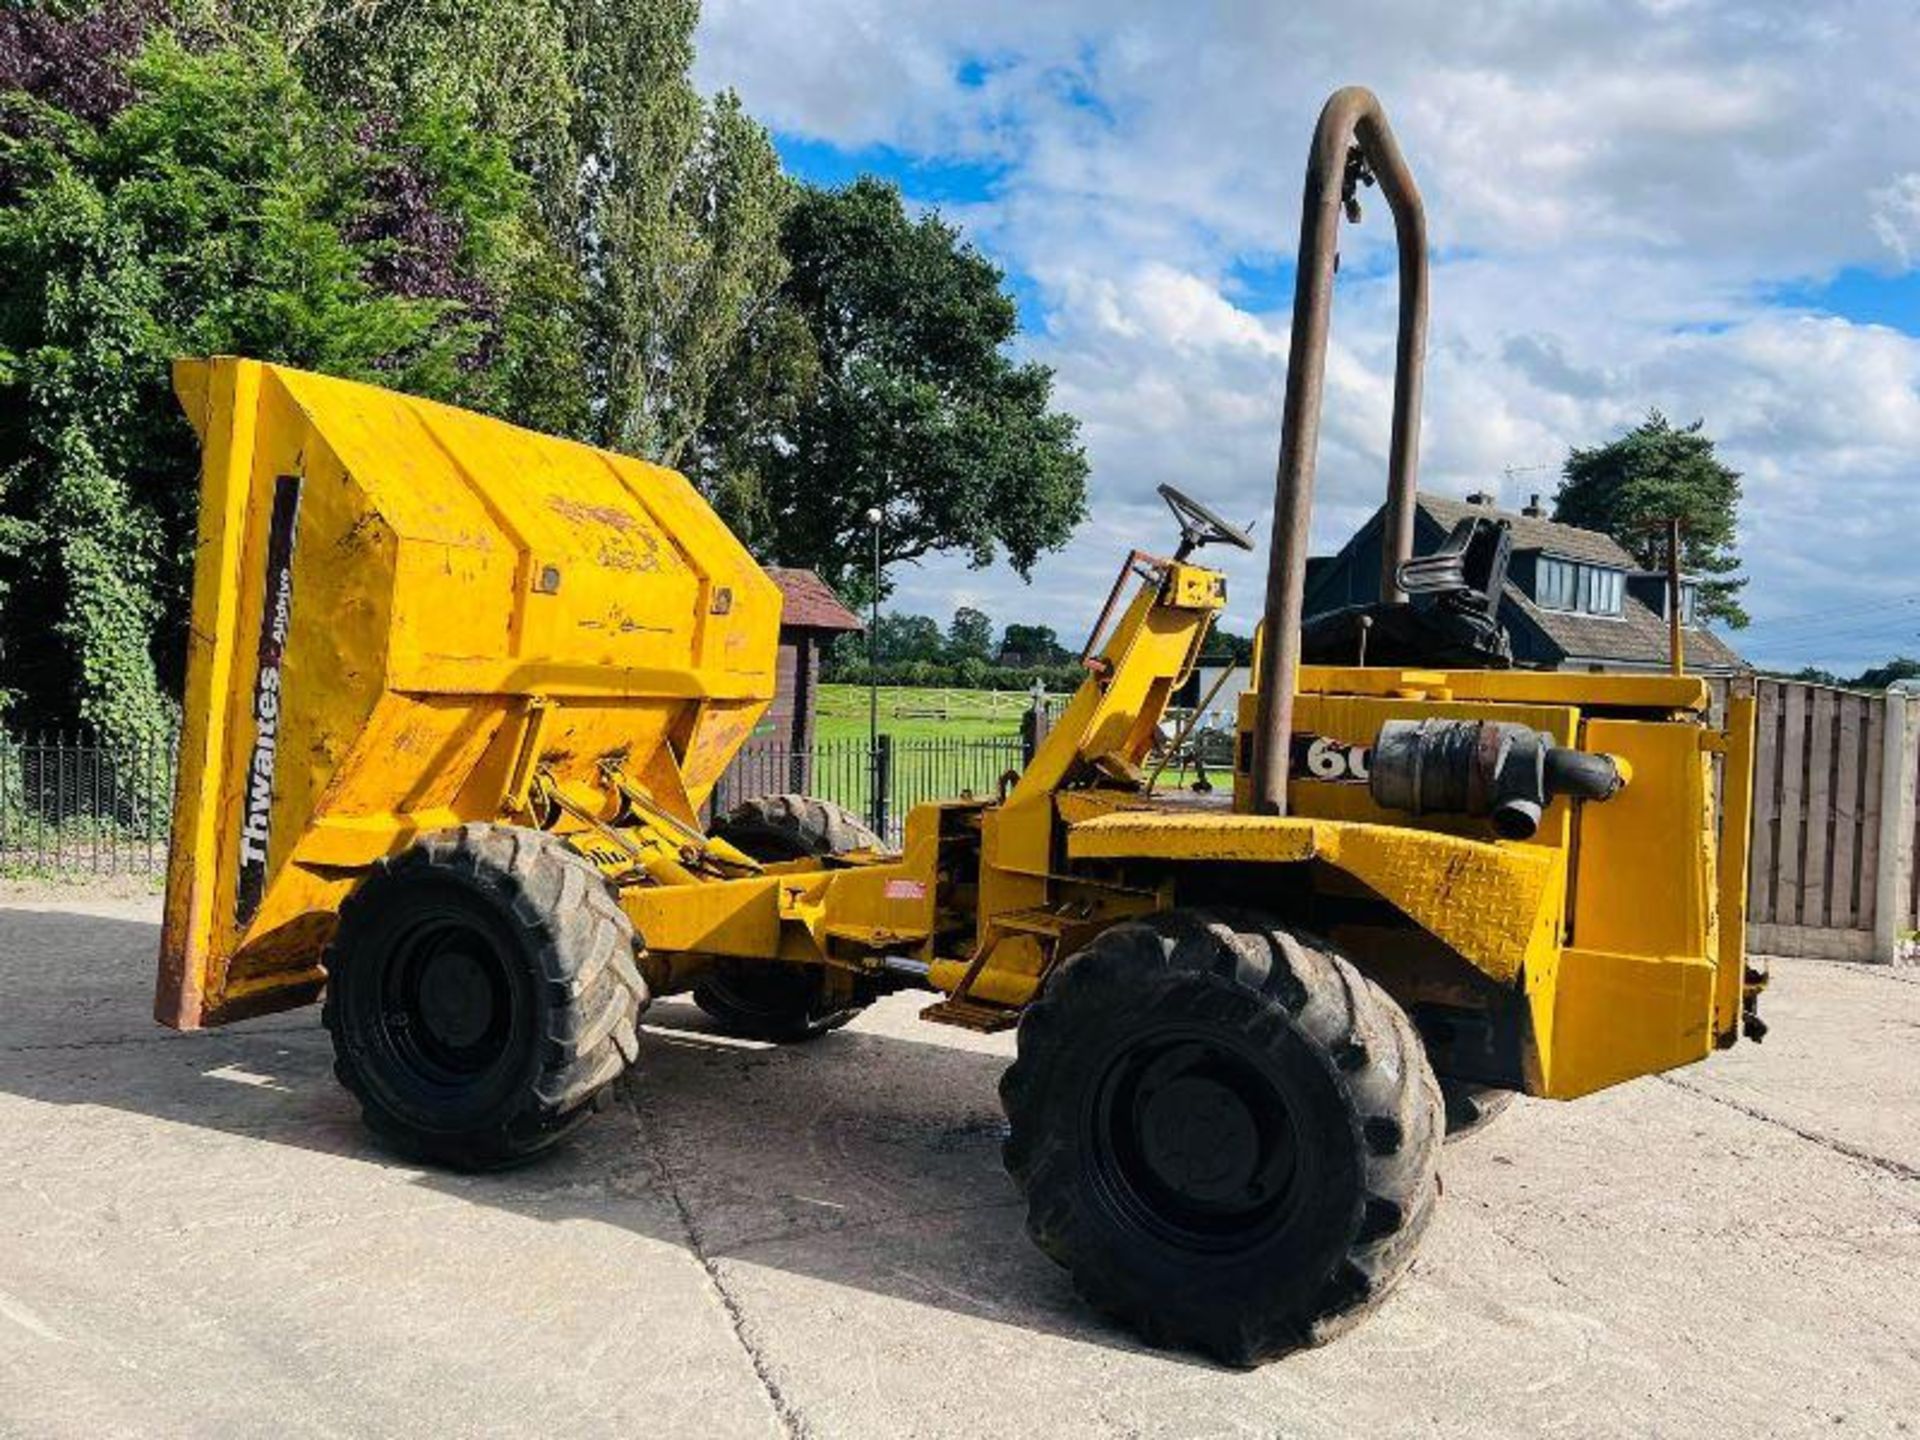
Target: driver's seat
[1452, 620]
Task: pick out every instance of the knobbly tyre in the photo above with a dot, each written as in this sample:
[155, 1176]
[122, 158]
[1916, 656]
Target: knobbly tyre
[457, 694]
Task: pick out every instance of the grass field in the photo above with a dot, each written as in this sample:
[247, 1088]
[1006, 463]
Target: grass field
[908, 713]
[946, 743]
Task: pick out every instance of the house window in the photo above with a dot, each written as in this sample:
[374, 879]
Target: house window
[1592, 589]
[1600, 590]
[1558, 587]
[1689, 605]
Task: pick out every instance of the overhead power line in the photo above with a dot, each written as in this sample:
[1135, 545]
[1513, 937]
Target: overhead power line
[1803, 619]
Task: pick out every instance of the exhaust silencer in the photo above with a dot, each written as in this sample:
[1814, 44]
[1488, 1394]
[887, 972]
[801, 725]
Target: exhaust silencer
[1503, 771]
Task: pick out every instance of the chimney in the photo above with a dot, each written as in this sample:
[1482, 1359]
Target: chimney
[1481, 499]
[1532, 509]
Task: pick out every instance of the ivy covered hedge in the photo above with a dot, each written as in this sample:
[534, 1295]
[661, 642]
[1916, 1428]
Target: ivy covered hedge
[208, 203]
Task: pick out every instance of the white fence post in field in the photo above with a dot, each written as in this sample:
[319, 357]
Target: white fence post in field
[1893, 880]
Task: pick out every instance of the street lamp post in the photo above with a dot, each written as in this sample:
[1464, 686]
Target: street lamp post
[874, 518]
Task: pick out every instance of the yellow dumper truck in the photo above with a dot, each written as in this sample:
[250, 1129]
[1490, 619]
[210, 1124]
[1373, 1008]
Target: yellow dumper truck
[457, 695]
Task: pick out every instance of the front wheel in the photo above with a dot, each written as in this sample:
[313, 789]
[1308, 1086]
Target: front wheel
[1224, 1132]
[482, 990]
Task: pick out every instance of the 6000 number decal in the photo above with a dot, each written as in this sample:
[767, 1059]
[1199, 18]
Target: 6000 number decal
[1320, 757]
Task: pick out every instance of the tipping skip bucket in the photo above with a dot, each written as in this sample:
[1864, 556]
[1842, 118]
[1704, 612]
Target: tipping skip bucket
[398, 608]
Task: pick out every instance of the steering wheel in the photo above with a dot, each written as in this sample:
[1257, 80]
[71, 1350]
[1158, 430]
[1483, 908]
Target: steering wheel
[1200, 526]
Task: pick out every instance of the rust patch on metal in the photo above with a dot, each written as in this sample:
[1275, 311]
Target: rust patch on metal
[415, 737]
[584, 512]
[632, 545]
[359, 535]
[643, 556]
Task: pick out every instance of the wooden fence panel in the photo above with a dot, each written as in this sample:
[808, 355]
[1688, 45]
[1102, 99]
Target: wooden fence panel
[1873, 739]
[1820, 815]
[1791, 833]
[1816, 842]
[1766, 802]
[1910, 759]
[1843, 889]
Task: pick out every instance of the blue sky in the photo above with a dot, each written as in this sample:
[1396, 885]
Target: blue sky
[930, 179]
[1865, 297]
[1632, 205]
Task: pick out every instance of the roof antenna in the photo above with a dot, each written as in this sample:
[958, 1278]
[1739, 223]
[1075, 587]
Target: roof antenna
[1514, 472]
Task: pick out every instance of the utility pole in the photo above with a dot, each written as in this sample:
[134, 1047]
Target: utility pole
[874, 517]
[1676, 641]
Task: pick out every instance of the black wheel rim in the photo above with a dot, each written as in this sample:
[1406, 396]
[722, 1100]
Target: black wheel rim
[1193, 1140]
[447, 1000]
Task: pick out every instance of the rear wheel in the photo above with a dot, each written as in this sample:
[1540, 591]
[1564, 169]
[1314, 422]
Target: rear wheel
[761, 1000]
[771, 828]
[482, 991]
[1224, 1132]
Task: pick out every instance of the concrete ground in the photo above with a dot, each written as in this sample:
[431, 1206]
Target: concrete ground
[196, 1238]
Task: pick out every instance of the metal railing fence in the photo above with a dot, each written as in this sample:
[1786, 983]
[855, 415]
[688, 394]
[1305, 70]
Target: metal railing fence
[879, 783]
[72, 805]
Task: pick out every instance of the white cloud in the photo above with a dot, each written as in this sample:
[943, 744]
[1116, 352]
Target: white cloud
[1895, 211]
[1614, 190]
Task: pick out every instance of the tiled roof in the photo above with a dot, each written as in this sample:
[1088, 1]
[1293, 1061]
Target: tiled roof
[1636, 636]
[1535, 532]
[809, 602]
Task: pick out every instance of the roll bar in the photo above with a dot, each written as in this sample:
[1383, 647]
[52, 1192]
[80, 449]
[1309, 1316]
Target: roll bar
[1352, 146]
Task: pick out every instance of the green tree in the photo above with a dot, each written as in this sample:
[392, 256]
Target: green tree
[1814, 675]
[661, 210]
[1223, 647]
[879, 378]
[905, 638]
[1879, 677]
[970, 635]
[1629, 487]
[1028, 645]
[214, 206]
[755, 407]
[672, 219]
[500, 69]
[502, 66]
